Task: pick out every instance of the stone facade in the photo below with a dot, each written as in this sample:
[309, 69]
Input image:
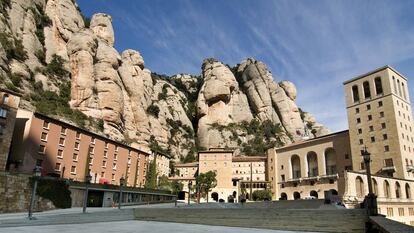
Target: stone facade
[8, 110]
[16, 192]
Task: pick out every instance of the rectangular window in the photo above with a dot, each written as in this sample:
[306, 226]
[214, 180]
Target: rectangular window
[383, 125]
[411, 211]
[105, 154]
[359, 131]
[62, 141]
[371, 128]
[386, 148]
[114, 166]
[104, 163]
[400, 211]
[372, 139]
[78, 135]
[385, 136]
[60, 153]
[129, 160]
[75, 157]
[388, 163]
[356, 110]
[42, 149]
[102, 174]
[368, 107]
[93, 140]
[3, 113]
[346, 156]
[45, 125]
[361, 141]
[43, 137]
[106, 145]
[5, 99]
[91, 150]
[370, 117]
[77, 145]
[379, 103]
[115, 157]
[362, 166]
[116, 148]
[381, 114]
[39, 162]
[57, 167]
[113, 177]
[73, 170]
[283, 178]
[63, 130]
[358, 120]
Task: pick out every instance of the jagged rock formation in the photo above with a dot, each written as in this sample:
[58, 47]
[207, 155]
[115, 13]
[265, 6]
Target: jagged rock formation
[67, 65]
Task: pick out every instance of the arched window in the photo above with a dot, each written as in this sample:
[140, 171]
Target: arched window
[378, 85]
[359, 185]
[283, 196]
[394, 85]
[355, 93]
[407, 191]
[312, 162]
[330, 161]
[295, 164]
[397, 190]
[399, 87]
[367, 91]
[403, 90]
[296, 195]
[313, 193]
[374, 186]
[387, 192]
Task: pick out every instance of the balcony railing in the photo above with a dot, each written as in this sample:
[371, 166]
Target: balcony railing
[410, 168]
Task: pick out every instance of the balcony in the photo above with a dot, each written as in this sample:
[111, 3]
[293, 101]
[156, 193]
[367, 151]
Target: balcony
[390, 168]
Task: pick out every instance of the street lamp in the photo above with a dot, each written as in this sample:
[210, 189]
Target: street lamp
[88, 179]
[371, 198]
[37, 172]
[121, 183]
[189, 190]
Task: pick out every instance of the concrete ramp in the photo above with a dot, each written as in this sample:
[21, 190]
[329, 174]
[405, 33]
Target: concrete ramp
[319, 220]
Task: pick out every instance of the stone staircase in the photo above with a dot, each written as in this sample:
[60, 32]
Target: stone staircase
[317, 220]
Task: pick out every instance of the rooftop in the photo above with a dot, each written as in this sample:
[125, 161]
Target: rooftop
[373, 72]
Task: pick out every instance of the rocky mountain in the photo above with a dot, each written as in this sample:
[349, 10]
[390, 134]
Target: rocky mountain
[65, 65]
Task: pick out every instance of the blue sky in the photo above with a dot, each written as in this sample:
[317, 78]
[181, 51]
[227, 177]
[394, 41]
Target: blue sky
[315, 44]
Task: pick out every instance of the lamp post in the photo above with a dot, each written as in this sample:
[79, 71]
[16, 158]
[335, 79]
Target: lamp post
[88, 179]
[176, 192]
[189, 190]
[121, 183]
[37, 172]
[371, 198]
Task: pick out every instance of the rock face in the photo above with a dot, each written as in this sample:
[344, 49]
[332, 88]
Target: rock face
[178, 115]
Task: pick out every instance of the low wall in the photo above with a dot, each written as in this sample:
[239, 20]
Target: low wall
[380, 224]
[15, 193]
[318, 220]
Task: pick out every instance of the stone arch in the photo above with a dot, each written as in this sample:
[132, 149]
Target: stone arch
[367, 90]
[397, 190]
[359, 187]
[355, 93]
[214, 196]
[313, 193]
[312, 163]
[407, 191]
[295, 165]
[333, 191]
[330, 161]
[283, 196]
[387, 191]
[296, 196]
[374, 186]
[378, 86]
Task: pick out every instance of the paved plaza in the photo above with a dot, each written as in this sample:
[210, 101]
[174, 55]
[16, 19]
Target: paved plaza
[133, 227]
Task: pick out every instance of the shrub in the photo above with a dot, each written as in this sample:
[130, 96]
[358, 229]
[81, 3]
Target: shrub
[16, 80]
[14, 50]
[42, 20]
[57, 191]
[262, 195]
[55, 67]
[41, 56]
[153, 110]
[11, 87]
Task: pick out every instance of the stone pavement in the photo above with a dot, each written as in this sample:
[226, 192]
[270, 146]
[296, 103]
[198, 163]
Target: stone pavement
[135, 227]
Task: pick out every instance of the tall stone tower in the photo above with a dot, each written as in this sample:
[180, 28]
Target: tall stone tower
[380, 118]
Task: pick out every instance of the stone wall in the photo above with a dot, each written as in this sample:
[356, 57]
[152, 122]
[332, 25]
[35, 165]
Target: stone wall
[15, 192]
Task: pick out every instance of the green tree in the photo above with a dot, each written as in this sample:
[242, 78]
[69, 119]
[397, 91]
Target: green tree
[206, 182]
[262, 195]
[151, 177]
[165, 184]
